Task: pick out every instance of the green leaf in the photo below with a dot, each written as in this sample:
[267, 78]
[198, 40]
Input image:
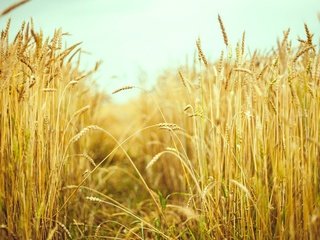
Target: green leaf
[163, 200]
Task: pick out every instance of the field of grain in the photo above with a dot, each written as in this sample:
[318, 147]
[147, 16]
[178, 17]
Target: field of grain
[225, 149]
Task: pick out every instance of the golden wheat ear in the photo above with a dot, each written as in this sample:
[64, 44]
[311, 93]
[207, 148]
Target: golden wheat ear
[122, 89]
[202, 57]
[308, 34]
[12, 7]
[223, 31]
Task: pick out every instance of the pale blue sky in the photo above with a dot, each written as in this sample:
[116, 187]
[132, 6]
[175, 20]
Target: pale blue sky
[151, 35]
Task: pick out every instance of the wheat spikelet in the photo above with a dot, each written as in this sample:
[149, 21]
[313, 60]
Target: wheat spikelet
[25, 61]
[253, 59]
[238, 54]
[66, 52]
[73, 82]
[97, 231]
[200, 52]
[74, 54]
[94, 199]
[262, 71]
[303, 51]
[273, 107]
[81, 77]
[243, 43]
[4, 33]
[186, 108]
[310, 89]
[12, 7]
[285, 37]
[49, 89]
[81, 110]
[37, 38]
[173, 150]
[227, 135]
[302, 41]
[220, 63]
[86, 156]
[309, 35]
[169, 126]
[122, 89]
[243, 70]
[64, 229]
[26, 32]
[224, 34]
[154, 159]
[56, 41]
[228, 76]
[18, 42]
[242, 187]
[83, 132]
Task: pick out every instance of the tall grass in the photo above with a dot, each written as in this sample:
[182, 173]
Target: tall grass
[219, 150]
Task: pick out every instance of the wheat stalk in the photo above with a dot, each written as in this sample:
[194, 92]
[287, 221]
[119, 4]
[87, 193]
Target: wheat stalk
[183, 80]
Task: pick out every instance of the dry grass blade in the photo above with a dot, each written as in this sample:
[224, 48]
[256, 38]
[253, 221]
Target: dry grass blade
[262, 71]
[82, 76]
[285, 37]
[66, 52]
[12, 7]
[183, 80]
[243, 70]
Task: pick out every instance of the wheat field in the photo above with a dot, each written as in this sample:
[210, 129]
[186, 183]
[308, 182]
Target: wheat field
[224, 149]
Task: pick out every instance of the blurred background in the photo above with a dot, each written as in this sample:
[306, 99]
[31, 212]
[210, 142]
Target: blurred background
[137, 40]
